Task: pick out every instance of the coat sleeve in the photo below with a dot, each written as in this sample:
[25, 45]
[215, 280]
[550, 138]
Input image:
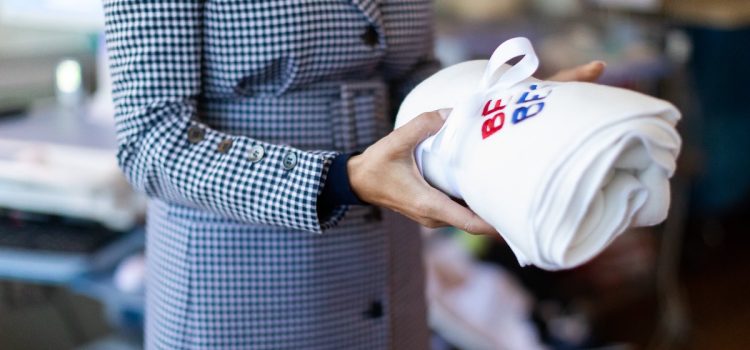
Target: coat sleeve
[155, 61]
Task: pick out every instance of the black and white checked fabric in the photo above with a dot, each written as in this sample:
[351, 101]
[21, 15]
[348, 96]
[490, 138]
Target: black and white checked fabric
[228, 115]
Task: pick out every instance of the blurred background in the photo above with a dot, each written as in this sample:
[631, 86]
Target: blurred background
[71, 237]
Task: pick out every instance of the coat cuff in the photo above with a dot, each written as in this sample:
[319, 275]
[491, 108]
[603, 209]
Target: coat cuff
[335, 194]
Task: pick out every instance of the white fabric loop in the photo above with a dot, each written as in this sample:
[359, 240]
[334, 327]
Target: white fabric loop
[497, 75]
[517, 73]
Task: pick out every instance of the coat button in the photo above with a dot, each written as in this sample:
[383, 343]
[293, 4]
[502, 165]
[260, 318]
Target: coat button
[256, 153]
[224, 146]
[244, 88]
[370, 36]
[375, 310]
[195, 134]
[290, 160]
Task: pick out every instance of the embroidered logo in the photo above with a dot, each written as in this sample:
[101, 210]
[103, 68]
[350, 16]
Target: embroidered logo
[527, 106]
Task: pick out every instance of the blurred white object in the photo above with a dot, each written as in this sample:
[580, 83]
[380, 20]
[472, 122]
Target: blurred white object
[68, 181]
[54, 14]
[561, 169]
[69, 83]
[679, 47]
[130, 274]
[476, 306]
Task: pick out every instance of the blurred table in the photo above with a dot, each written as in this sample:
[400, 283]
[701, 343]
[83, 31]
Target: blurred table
[48, 123]
[62, 268]
[83, 271]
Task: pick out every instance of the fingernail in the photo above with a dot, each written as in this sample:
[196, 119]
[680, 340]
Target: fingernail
[445, 112]
[600, 62]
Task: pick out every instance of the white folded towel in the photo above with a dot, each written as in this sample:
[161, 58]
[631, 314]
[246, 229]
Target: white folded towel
[559, 169]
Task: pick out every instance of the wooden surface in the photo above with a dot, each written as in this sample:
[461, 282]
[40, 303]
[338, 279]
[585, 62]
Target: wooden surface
[724, 14]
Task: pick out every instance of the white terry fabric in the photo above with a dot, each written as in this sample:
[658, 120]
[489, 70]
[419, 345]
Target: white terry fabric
[569, 167]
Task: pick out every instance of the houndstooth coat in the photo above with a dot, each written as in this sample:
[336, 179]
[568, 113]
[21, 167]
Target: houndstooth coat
[228, 115]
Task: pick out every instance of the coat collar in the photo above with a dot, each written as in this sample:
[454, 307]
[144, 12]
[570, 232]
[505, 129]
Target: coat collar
[371, 9]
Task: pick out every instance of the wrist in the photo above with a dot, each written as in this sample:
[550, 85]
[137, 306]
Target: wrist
[356, 180]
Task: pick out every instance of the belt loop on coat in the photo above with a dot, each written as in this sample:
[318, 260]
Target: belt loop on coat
[359, 116]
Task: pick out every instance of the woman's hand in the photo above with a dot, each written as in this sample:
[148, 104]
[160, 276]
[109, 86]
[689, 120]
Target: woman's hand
[386, 175]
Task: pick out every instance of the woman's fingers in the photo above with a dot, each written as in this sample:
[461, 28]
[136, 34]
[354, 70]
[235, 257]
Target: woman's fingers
[420, 128]
[588, 72]
[438, 207]
[385, 174]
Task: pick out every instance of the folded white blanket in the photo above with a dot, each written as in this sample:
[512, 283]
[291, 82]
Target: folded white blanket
[559, 169]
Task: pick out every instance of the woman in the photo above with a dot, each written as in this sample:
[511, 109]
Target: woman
[238, 119]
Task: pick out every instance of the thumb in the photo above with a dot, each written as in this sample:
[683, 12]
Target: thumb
[422, 127]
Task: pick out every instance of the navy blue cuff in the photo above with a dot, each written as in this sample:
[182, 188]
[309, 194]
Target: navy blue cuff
[337, 190]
